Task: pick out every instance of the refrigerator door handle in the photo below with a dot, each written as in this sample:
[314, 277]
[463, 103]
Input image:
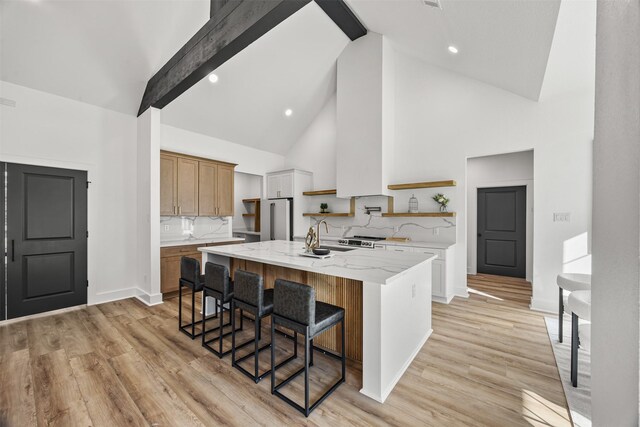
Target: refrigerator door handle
[272, 209]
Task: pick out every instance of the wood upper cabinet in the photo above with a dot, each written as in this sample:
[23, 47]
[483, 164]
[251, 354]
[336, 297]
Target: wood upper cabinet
[225, 190]
[187, 187]
[208, 189]
[191, 186]
[168, 185]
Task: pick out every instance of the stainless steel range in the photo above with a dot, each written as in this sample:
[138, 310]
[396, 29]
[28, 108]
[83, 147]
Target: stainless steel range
[368, 242]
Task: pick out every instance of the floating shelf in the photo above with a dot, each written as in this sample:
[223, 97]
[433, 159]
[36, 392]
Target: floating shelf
[420, 214]
[250, 200]
[328, 214]
[430, 184]
[320, 192]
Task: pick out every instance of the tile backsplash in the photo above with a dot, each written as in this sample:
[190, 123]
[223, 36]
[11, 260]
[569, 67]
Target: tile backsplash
[425, 229]
[173, 228]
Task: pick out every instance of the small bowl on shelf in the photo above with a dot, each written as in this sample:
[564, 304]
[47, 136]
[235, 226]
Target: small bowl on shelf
[321, 251]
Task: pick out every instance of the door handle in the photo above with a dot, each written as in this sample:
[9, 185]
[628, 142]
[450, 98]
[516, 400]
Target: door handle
[479, 234]
[13, 250]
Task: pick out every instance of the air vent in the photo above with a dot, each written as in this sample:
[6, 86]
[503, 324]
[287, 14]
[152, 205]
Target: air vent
[7, 102]
[432, 3]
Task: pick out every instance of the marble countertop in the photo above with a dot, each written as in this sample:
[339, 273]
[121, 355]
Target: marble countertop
[184, 242]
[254, 233]
[412, 243]
[359, 264]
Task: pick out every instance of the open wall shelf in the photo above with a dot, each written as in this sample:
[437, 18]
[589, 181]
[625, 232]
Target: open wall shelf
[320, 193]
[255, 214]
[429, 184]
[419, 214]
[328, 214]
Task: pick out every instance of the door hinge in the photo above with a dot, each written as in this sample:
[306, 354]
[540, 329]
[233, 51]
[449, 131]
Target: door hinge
[88, 182]
[87, 283]
[87, 234]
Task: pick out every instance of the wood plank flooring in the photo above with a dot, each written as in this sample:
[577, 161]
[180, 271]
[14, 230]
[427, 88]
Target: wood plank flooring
[489, 362]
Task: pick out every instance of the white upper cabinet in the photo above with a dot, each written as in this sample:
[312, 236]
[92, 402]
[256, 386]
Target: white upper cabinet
[281, 184]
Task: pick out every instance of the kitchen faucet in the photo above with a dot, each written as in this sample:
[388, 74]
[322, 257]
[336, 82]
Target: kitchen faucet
[318, 229]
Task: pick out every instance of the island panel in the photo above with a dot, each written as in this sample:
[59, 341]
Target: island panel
[345, 293]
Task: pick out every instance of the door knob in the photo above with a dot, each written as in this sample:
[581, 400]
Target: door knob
[479, 235]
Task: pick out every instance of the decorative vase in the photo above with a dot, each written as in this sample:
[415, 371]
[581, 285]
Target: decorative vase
[443, 208]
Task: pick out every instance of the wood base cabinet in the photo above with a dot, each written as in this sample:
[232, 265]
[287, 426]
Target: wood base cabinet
[170, 263]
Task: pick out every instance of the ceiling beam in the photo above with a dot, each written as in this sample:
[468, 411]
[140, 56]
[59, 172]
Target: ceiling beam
[236, 24]
[344, 18]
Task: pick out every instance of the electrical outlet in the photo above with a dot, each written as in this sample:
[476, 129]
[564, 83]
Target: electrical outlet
[436, 231]
[166, 228]
[396, 229]
[413, 290]
[211, 228]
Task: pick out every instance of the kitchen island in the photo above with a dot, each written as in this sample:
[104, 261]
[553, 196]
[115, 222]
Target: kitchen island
[386, 297]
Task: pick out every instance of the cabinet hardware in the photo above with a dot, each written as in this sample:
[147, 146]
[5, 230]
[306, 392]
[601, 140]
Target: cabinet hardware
[13, 250]
[174, 209]
[179, 210]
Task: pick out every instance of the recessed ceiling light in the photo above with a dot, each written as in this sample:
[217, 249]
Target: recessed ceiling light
[213, 78]
[453, 49]
[288, 112]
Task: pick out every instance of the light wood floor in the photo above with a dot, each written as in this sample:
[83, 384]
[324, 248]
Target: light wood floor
[488, 362]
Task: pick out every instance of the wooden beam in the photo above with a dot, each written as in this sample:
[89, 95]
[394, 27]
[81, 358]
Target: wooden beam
[236, 24]
[344, 18]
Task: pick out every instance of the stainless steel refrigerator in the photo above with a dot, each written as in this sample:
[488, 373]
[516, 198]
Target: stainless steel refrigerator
[276, 222]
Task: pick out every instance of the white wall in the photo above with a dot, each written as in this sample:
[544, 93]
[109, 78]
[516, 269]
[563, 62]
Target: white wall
[316, 148]
[49, 130]
[246, 186]
[498, 171]
[249, 160]
[616, 218]
[443, 118]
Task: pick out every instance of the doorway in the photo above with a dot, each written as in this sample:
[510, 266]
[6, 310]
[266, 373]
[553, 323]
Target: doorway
[502, 231]
[45, 221]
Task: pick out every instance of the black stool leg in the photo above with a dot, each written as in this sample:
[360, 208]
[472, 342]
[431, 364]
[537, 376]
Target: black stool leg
[560, 313]
[311, 362]
[574, 350]
[273, 355]
[233, 334]
[221, 330]
[344, 354]
[306, 372]
[204, 314]
[180, 307]
[193, 312]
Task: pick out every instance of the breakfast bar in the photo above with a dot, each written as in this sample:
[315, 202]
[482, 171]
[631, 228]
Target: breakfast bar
[386, 297]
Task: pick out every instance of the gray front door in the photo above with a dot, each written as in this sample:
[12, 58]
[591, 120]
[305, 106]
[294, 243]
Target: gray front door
[502, 231]
[46, 239]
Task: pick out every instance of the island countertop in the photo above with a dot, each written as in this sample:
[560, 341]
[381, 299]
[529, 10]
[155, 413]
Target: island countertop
[367, 265]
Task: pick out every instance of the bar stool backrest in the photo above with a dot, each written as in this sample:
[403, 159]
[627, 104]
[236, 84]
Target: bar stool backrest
[248, 287]
[294, 301]
[216, 277]
[190, 270]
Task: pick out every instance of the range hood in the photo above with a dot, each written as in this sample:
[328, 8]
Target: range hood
[365, 117]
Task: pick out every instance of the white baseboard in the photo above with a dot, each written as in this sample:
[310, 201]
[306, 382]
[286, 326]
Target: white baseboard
[461, 292]
[110, 296]
[148, 299]
[442, 300]
[545, 306]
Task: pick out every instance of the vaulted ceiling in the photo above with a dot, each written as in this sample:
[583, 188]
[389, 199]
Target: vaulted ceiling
[103, 52]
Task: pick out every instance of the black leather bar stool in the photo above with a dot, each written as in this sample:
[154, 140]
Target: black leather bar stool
[217, 284]
[191, 278]
[250, 295]
[295, 307]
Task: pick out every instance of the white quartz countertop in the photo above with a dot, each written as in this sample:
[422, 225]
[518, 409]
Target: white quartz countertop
[366, 265]
[411, 243]
[169, 243]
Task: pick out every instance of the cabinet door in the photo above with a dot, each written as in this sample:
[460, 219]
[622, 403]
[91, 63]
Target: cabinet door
[207, 189]
[187, 187]
[273, 186]
[168, 185]
[225, 191]
[169, 274]
[286, 185]
[438, 279]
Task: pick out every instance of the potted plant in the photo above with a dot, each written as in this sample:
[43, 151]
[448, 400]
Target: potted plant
[442, 200]
[324, 207]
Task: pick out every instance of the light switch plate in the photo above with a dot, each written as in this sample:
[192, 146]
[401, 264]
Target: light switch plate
[166, 228]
